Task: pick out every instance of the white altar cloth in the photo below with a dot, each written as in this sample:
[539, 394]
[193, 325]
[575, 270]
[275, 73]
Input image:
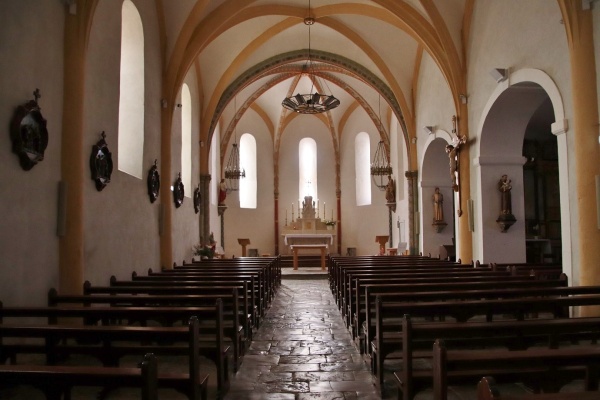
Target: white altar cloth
[308, 238]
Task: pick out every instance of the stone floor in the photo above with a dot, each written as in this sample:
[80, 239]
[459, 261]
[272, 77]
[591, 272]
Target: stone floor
[302, 350]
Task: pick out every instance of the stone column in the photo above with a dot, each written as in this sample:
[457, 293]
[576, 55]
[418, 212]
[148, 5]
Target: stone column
[413, 201]
[579, 26]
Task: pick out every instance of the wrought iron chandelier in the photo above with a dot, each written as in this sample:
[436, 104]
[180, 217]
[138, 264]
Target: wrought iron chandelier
[310, 103]
[233, 171]
[380, 167]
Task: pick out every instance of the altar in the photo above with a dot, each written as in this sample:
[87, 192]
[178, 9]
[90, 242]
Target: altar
[307, 238]
[308, 232]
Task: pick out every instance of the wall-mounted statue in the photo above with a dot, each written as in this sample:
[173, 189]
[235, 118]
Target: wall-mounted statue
[438, 210]
[453, 154]
[506, 218]
[390, 193]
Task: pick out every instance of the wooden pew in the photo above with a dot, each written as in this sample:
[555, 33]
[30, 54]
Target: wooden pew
[365, 315]
[212, 345]
[57, 381]
[462, 311]
[360, 302]
[263, 288]
[487, 390]
[112, 348]
[234, 317]
[246, 300]
[418, 338]
[542, 367]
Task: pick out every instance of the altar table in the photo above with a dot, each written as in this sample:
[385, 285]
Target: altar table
[296, 247]
[307, 238]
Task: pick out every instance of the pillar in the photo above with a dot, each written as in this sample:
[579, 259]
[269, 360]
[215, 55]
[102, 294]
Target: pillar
[413, 228]
[205, 207]
[465, 237]
[579, 26]
[73, 166]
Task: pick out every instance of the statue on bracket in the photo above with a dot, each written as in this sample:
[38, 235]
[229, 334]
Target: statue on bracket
[153, 182]
[390, 194]
[506, 218]
[28, 133]
[453, 151]
[101, 163]
[438, 211]
[178, 191]
[197, 199]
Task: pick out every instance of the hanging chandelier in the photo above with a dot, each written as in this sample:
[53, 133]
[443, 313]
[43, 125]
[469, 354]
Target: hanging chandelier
[313, 102]
[233, 171]
[380, 167]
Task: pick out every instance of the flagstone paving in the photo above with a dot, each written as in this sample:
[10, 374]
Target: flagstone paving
[302, 350]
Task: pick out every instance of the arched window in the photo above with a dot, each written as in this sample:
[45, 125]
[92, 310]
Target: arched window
[362, 172]
[307, 183]
[186, 139]
[248, 162]
[131, 99]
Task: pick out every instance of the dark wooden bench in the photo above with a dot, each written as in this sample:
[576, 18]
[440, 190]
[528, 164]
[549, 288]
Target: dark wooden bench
[116, 342]
[487, 390]
[544, 369]
[365, 311]
[262, 292]
[57, 381]
[235, 316]
[389, 320]
[363, 303]
[212, 343]
[417, 339]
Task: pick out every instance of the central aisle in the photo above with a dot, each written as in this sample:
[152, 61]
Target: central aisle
[302, 350]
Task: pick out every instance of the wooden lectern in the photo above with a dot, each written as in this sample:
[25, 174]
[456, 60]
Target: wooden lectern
[382, 240]
[244, 243]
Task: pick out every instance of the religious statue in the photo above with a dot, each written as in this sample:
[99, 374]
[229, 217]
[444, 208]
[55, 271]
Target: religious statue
[506, 218]
[438, 205]
[453, 154]
[390, 194]
[222, 191]
[504, 186]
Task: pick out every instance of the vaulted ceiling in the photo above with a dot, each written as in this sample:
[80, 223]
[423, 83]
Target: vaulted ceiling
[254, 51]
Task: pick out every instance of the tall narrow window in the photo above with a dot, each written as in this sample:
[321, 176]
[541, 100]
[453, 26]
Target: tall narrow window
[248, 162]
[362, 172]
[131, 98]
[307, 183]
[186, 139]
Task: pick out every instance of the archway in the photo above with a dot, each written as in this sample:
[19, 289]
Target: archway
[435, 174]
[512, 115]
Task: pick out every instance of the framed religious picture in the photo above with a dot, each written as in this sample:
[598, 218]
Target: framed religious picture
[101, 163]
[28, 133]
[178, 191]
[197, 199]
[153, 182]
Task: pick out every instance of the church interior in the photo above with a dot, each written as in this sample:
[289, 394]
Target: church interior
[143, 135]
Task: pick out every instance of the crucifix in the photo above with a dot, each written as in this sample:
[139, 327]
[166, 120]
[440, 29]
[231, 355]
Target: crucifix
[453, 151]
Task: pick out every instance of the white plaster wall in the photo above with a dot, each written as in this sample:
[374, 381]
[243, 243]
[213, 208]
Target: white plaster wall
[31, 56]
[121, 226]
[255, 224]
[434, 108]
[521, 38]
[434, 173]
[361, 223]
